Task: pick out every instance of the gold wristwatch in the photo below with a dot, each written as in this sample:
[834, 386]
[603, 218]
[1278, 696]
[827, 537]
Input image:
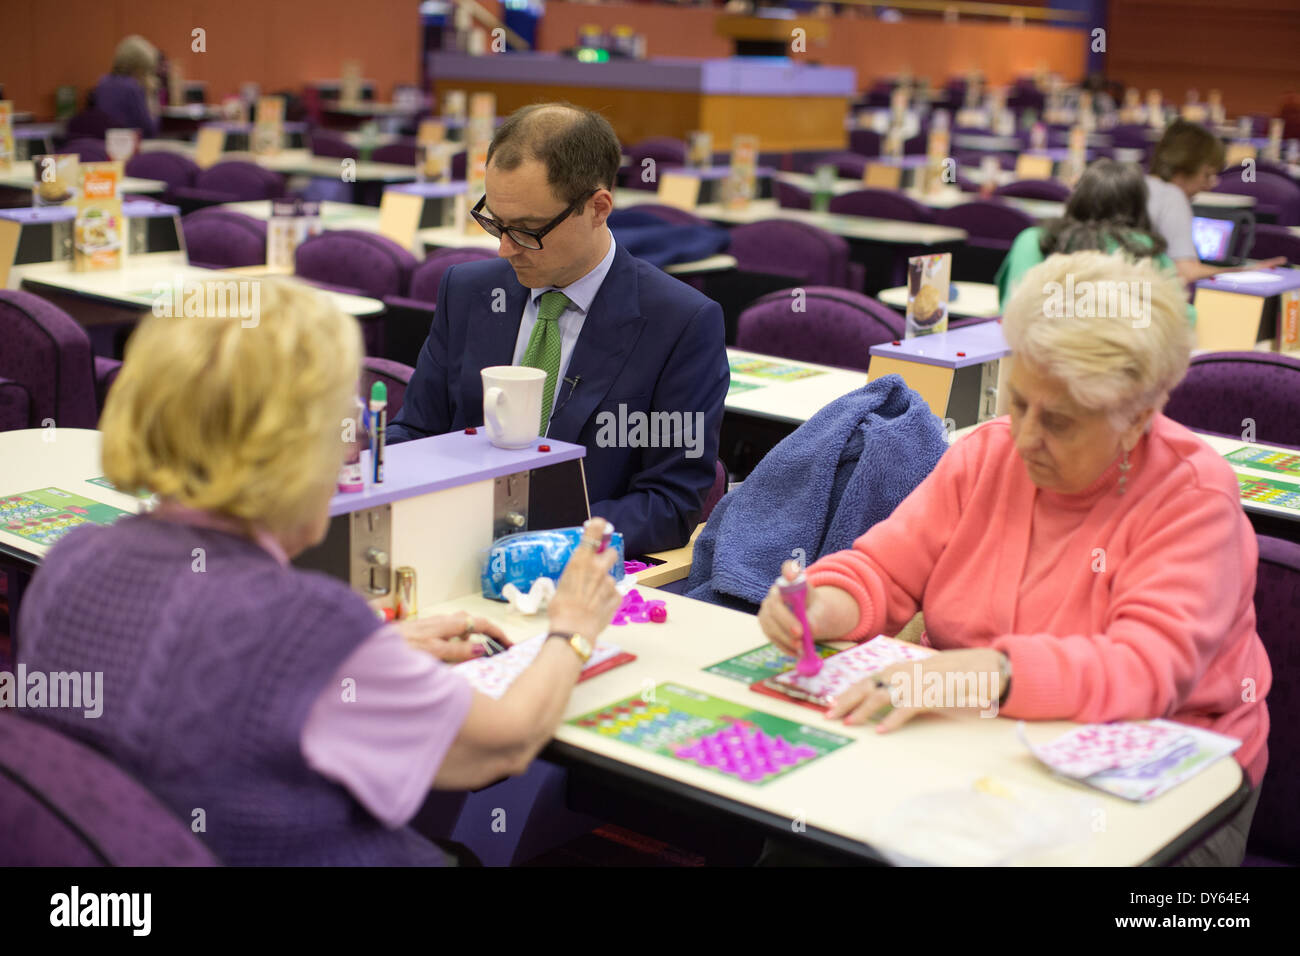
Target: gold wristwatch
[581, 646]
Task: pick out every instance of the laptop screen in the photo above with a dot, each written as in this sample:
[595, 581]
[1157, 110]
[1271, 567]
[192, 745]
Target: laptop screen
[1213, 238]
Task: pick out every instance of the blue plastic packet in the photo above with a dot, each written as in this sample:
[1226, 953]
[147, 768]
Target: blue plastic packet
[523, 557]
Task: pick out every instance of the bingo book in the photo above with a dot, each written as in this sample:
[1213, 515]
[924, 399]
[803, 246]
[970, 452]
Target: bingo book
[494, 675]
[840, 672]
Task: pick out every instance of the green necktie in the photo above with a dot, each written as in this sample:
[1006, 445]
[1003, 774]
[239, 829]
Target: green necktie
[544, 347]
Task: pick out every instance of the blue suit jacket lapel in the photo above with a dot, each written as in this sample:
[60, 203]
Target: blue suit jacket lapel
[608, 337]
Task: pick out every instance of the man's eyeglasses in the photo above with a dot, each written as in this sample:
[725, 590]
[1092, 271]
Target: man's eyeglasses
[525, 238]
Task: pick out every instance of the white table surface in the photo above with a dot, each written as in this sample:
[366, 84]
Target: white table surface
[22, 175]
[891, 231]
[297, 162]
[976, 300]
[794, 401]
[132, 285]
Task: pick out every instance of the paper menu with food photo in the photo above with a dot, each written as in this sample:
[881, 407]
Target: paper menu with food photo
[99, 228]
[56, 179]
[742, 184]
[841, 671]
[928, 282]
[6, 134]
[1135, 760]
[699, 149]
[268, 129]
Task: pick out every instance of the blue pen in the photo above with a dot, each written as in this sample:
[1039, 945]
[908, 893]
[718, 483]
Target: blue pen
[379, 425]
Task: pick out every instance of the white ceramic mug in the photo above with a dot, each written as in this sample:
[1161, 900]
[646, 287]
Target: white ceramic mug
[512, 404]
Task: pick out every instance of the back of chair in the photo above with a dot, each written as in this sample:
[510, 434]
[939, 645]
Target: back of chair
[91, 123]
[172, 168]
[87, 150]
[219, 238]
[881, 204]
[15, 407]
[664, 150]
[1275, 831]
[49, 354]
[1048, 189]
[865, 142]
[1273, 241]
[847, 165]
[404, 153]
[242, 180]
[789, 196]
[795, 249]
[1227, 392]
[670, 214]
[991, 222]
[395, 376]
[1276, 196]
[825, 325]
[325, 143]
[427, 276]
[62, 804]
[361, 262]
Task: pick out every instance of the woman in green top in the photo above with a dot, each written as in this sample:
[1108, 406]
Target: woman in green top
[1107, 211]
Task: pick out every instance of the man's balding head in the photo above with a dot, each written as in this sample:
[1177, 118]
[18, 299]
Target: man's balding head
[579, 149]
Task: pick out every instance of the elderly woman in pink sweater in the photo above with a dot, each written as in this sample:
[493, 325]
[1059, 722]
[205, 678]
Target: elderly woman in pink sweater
[1087, 555]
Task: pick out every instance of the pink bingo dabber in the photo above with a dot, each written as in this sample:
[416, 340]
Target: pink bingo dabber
[795, 596]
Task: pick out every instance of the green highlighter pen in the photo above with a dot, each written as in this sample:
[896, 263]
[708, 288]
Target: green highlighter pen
[378, 428]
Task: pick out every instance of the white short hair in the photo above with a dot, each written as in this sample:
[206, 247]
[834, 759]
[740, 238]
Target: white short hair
[1114, 331]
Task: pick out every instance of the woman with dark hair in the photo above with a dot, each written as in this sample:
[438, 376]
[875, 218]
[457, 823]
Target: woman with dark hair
[1106, 212]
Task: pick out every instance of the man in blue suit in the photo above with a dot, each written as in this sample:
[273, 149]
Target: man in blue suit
[636, 361]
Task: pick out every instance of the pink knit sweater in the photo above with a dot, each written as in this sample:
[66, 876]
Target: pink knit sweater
[1110, 607]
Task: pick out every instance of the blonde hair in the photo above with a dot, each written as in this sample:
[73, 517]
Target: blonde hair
[1113, 358]
[244, 418]
[135, 56]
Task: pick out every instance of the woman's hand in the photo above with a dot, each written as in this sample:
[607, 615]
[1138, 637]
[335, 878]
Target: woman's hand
[586, 598]
[831, 612]
[897, 692]
[445, 635]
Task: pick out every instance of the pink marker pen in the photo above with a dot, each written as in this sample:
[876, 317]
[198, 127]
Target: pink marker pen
[795, 596]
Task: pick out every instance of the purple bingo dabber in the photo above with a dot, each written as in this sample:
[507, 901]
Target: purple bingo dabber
[795, 596]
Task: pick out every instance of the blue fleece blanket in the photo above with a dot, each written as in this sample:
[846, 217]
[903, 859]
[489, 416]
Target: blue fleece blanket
[661, 243]
[821, 488]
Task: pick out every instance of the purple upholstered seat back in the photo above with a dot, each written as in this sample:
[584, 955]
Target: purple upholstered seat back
[795, 249]
[15, 405]
[172, 168]
[394, 375]
[324, 143]
[87, 149]
[1223, 389]
[1048, 189]
[242, 180]
[664, 150]
[220, 238]
[49, 354]
[790, 196]
[835, 327]
[1273, 241]
[1275, 195]
[62, 804]
[91, 123]
[404, 153]
[847, 165]
[990, 222]
[881, 204]
[427, 276]
[865, 142]
[1275, 831]
[362, 262]
[670, 214]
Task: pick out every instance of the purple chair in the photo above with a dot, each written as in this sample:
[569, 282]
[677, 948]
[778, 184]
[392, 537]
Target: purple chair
[865, 142]
[881, 204]
[404, 153]
[427, 276]
[1271, 241]
[1276, 196]
[716, 492]
[1275, 831]
[847, 165]
[15, 405]
[49, 354]
[664, 150]
[324, 143]
[91, 123]
[991, 227]
[789, 196]
[1130, 136]
[1048, 189]
[1222, 389]
[407, 317]
[63, 804]
[1277, 169]
[670, 214]
[836, 327]
[395, 376]
[172, 168]
[362, 263]
[88, 150]
[217, 238]
[241, 180]
[803, 252]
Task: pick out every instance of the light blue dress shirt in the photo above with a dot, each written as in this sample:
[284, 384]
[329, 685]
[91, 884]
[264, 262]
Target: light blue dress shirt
[580, 293]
